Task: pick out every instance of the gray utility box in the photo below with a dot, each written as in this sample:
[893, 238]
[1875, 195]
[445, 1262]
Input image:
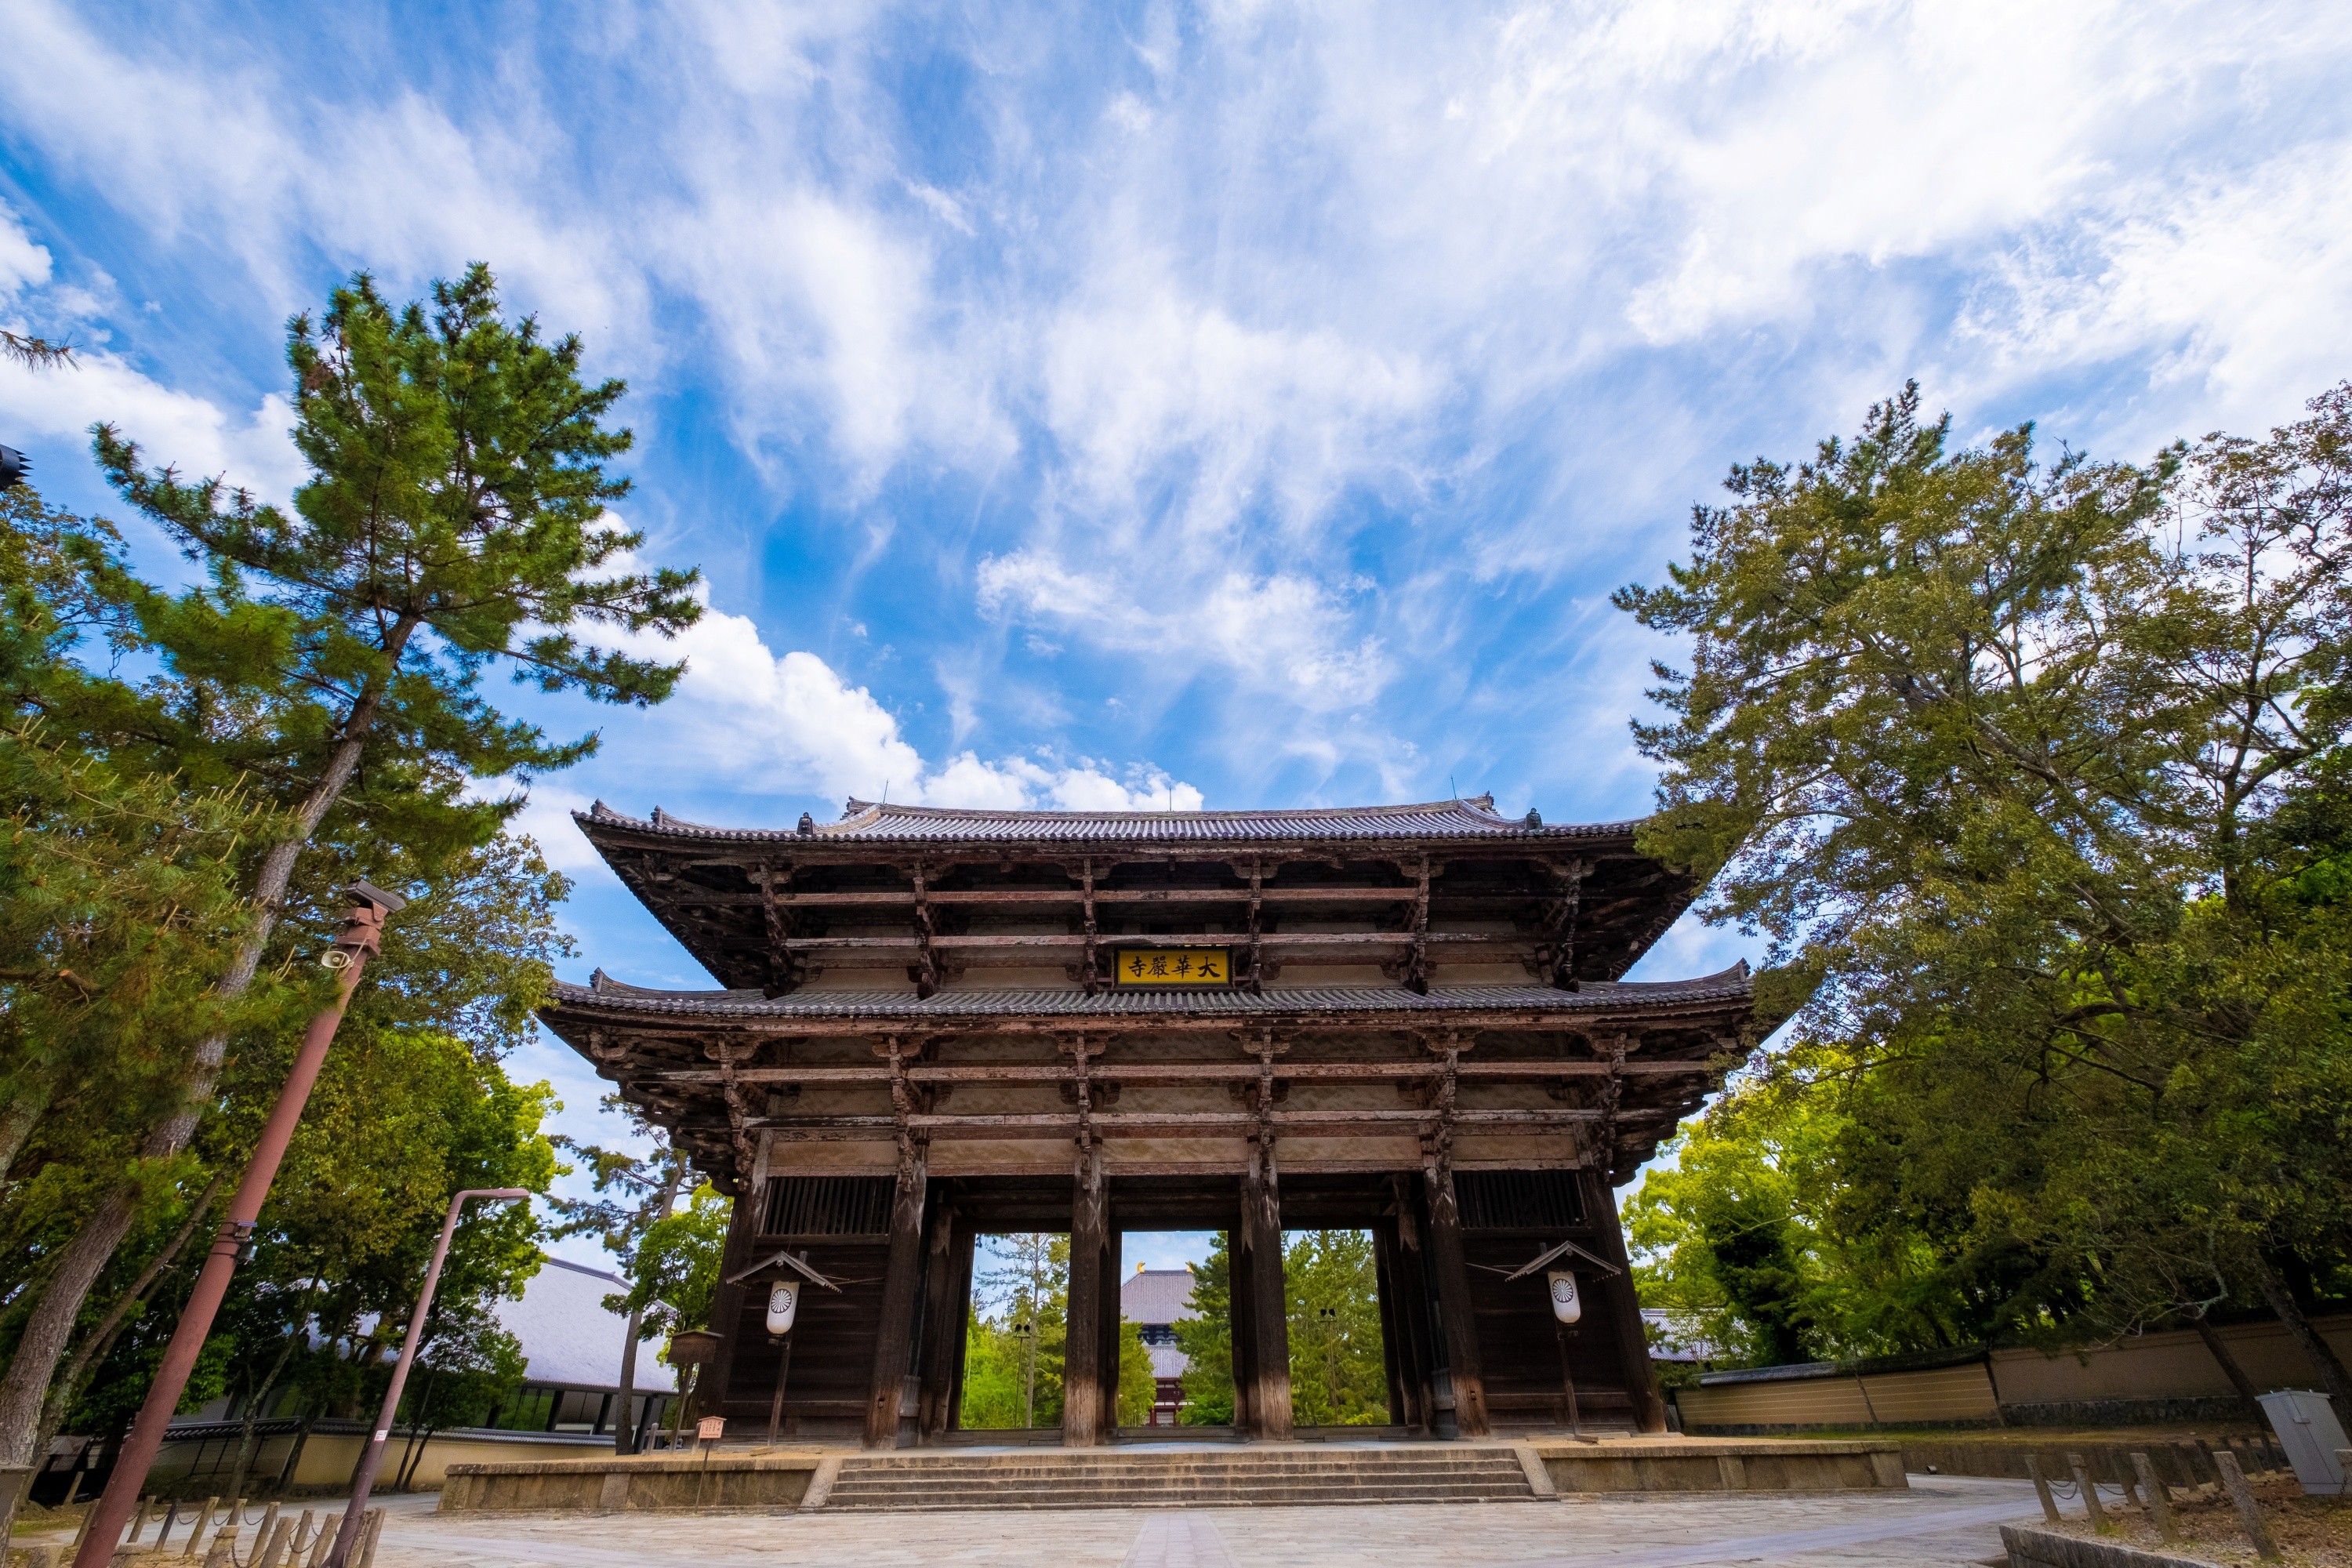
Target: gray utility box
[2312, 1435]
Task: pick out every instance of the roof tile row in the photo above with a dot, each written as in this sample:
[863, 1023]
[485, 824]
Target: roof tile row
[865, 821]
[1731, 985]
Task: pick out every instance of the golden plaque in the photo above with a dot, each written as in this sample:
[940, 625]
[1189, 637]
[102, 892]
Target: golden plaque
[1149, 966]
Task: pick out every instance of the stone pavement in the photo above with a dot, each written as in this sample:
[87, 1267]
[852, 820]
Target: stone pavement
[1941, 1522]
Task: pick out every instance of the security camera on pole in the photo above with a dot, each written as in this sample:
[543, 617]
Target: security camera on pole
[365, 1481]
[361, 939]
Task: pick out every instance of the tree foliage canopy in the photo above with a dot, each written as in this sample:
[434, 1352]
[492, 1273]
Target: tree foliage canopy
[2032, 775]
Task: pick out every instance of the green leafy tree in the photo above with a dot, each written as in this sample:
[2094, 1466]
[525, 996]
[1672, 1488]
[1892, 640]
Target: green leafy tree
[1992, 750]
[453, 521]
[1139, 1391]
[633, 1194]
[1016, 1344]
[1206, 1338]
[1338, 1373]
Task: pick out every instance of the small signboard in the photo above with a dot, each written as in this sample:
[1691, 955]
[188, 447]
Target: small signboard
[1148, 968]
[711, 1428]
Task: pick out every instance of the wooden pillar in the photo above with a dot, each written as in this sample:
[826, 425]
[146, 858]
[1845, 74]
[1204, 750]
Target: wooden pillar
[1417, 1342]
[1082, 1341]
[726, 1305]
[1244, 1327]
[1392, 1351]
[943, 1329]
[1625, 1304]
[1464, 1368]
[1107, 1327]
[967, 1242]
[1269, 1297]
[895, 1332]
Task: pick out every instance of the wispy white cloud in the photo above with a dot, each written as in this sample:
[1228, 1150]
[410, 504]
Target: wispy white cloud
[750, 719]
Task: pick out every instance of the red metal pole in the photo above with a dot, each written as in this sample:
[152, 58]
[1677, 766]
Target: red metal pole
[363, 1479]
[361, 937]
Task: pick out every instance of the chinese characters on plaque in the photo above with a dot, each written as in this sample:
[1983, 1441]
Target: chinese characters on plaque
[1148, 966]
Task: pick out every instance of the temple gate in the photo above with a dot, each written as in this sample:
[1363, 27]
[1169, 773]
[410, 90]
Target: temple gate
[942, 1024]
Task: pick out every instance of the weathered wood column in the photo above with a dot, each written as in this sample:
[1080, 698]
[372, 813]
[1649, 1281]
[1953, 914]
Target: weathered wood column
[1396, 1355]
[1465, 1366]
[1112, 1255]
[1269, 1293]
[1624, 1303]
[901, 1276]
[727, 1306]
[1082, 1351]
[1242, 1304]
[1417, 1346]
[1082, 1358]
[967, 1242]
[943, 1323]
[1269, 1299]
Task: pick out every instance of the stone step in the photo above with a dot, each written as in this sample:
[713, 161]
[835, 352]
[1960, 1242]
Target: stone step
[868, 1484]
[1097, 1478]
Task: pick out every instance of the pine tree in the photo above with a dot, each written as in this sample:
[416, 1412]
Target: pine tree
[454, 521]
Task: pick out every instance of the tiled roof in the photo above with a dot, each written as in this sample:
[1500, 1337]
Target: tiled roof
[1731, 985]
[1156, 1296]
[568, 1336]
[865, 821]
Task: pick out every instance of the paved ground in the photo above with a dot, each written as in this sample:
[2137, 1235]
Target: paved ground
[1941, 1522]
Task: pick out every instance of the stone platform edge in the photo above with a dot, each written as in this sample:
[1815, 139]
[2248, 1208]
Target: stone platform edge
[799, 1481]
[1721, 1465]
[617, 1484]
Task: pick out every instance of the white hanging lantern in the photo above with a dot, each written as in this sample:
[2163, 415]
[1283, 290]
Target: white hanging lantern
[784, 1301]
[1567, 1303]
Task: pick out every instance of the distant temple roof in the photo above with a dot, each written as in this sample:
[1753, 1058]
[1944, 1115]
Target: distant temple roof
[1156, 1296]
[865, 821]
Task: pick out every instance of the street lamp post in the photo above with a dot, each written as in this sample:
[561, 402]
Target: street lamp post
[360, 938]
[365, 1481]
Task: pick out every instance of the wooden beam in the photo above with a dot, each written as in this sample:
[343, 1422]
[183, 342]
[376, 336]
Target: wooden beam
[787, 969]
[1416, 973]
[1091, 971]
[1154, 1073]
[926, 964]
[1023, 942]
[1562, 921]
[1170, 1123]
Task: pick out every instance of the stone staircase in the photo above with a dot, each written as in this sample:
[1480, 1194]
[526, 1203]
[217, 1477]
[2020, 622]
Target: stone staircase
[1100, 1478]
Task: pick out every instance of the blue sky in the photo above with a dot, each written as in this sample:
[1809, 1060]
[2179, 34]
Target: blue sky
[1126, 403]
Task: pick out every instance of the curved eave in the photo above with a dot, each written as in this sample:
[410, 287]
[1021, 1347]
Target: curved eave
[1728, 992]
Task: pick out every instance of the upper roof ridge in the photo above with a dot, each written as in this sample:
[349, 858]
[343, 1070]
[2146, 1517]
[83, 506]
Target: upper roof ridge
[1463, 816]
[1482, 804]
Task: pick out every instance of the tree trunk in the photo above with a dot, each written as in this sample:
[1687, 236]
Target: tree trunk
[16, 1122]
[2229, 1365]
[24, 1386]
[93, 1348]
[624, 1430]
[247, 1440]
[2324, 1359]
